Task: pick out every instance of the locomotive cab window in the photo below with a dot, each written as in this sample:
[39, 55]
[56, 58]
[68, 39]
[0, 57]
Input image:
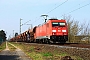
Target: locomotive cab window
[58, 24]
[55, 24]
[61, 24]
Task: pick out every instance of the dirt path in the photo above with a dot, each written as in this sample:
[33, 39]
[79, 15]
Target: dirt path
[18, 54]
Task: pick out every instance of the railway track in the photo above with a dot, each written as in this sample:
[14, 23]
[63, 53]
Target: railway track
[65, 45]
[79, 45]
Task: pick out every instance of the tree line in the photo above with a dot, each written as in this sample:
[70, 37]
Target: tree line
[76, 28]
[2, 35]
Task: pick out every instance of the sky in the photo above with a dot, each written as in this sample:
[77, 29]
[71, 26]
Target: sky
[31, 10]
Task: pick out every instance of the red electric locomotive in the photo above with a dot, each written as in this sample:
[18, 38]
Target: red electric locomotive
[53, 30]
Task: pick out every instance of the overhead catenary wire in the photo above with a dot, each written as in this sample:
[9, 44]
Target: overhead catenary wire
[25, 22]
[78, 8]
[68, 12]
[57, 6]
[52, 10]
[36, 19]
[79, 4]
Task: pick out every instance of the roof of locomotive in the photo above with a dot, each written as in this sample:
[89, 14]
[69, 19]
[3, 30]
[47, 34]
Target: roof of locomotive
[57, 20]
[53, 20]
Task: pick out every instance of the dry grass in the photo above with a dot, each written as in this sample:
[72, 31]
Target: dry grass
[43, 52]
[2, 46]
[11, 48]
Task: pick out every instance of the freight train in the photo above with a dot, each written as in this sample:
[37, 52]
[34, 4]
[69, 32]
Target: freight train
[52, 31]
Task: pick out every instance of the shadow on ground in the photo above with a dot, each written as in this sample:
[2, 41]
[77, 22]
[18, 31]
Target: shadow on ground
[9, 57]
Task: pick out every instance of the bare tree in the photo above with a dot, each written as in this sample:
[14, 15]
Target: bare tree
[73, 28]
[86, 33]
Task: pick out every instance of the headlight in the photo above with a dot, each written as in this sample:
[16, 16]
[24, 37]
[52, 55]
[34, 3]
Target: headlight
[53, 30]
[63, 30]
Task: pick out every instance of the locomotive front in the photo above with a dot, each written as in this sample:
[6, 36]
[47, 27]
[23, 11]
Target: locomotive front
[59, 31]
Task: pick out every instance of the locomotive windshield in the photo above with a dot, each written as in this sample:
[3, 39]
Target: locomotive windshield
[58, 24]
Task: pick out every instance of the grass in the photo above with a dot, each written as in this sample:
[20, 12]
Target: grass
[39, 53]
[47, 54]
[2, 46]
[11, 48]
[35, 56]
[31, 48]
